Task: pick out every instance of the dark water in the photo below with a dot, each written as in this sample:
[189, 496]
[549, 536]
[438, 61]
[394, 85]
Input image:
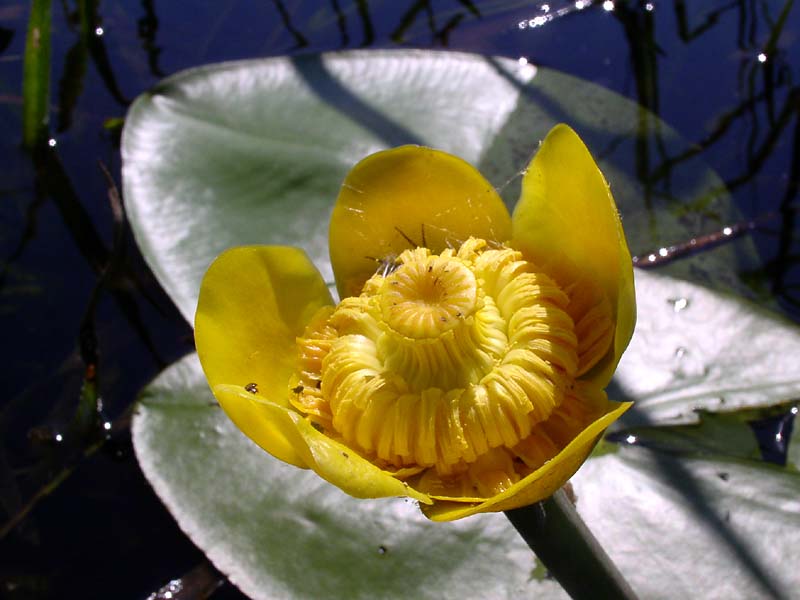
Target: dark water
[725, 74]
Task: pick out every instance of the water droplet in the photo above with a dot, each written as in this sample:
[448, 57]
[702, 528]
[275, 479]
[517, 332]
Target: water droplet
[580, 4]
[631, 439]
[663, 251]
[652, 257]
[99, 31]
[52, 142]
[678, 304]
[608, 6]
[774, 434]
[794, 410]
[649, 7]
[545, 8]
[688, 365]
[727, 231]
[522, 61]
[762, 58]
[59, 437]
[107, 425]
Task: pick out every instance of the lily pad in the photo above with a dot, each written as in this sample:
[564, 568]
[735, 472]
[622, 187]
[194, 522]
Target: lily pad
[694, 527]
[254, 152]
[695, 348]
[672, 524]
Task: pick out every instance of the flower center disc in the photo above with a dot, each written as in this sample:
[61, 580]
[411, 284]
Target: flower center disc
[427, 296]
[440, 361]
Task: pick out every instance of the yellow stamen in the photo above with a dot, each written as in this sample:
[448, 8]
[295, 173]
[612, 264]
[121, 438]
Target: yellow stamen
[449, 362]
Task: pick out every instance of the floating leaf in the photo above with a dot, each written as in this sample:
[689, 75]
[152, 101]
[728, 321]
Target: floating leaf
[254, 152]
[694, 348]
[672, 525]
[742, 434]
[683, 528]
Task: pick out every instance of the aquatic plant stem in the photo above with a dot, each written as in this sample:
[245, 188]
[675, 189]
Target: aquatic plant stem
[36, 75]
[561, 540]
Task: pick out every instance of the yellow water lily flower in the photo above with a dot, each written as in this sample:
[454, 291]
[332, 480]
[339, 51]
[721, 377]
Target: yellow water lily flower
[465, 366]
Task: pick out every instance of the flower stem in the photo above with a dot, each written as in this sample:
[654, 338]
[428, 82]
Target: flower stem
[561, 540]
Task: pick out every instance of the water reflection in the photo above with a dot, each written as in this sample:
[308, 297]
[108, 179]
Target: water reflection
[774, 433]
[147, 29]
[767, 106]
[550, 13]
[699, 244]
[300, 39]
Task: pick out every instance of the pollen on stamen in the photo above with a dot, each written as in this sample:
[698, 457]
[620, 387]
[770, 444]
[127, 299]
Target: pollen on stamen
[423, 296]
[444, 366]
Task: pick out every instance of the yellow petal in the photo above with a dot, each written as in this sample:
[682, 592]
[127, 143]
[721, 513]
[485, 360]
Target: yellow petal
[334, 462]
[540, 484]
[566, 221]
[254, 301]
[409, 192]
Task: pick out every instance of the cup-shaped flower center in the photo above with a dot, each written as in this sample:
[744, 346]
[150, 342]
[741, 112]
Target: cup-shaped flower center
[427, 295]
[441, 360]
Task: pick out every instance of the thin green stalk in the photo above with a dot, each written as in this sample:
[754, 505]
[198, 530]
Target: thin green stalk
[561, 540]
[36, 75]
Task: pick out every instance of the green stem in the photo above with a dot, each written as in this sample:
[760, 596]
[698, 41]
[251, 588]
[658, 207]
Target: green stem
[561, 540]
[36, 75]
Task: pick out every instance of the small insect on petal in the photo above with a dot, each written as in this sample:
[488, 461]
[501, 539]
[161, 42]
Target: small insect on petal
[252, 388]
[388, 265]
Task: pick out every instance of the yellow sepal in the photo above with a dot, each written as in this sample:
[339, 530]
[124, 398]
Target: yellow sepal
[540, 484]
[254, 301]
[277, 428]
[414, 192]
[567, 222]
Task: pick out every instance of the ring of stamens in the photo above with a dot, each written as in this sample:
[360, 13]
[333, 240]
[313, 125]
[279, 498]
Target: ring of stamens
[441, 361]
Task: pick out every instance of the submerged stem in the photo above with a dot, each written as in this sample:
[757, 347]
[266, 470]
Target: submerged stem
[561, 540]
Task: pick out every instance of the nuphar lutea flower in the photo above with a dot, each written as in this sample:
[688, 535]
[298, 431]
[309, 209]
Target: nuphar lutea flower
[465, 366]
